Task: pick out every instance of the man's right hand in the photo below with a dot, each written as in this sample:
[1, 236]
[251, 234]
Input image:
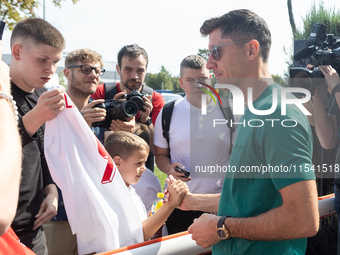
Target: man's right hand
[94, 114]
[49, 105]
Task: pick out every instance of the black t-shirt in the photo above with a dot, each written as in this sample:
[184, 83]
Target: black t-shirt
[35, 174]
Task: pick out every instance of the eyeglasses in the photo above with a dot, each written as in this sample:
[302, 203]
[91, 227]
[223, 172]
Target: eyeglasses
[86, 69]
[214, 52]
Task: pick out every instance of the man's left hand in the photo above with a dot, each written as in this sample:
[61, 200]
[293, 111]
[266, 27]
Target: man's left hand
[119, 125]
[144, 115]
[48, 209]
[203, 230]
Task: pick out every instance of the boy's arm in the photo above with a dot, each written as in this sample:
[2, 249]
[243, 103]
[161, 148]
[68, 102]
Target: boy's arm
[49, 105]
[177, 190]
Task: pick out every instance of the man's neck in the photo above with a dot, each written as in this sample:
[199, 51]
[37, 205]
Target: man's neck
[258, 81]
[80, 101]
[16, 79]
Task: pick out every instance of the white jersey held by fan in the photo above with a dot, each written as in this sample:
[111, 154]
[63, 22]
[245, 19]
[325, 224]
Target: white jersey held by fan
[97, 201]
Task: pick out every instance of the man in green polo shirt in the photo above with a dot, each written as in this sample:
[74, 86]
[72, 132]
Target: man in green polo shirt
[268, 203]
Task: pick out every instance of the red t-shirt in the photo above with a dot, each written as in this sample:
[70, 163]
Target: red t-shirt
[157, 100]
[10, 244]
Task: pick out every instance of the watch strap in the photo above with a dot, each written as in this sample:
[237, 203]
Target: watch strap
[148, 122]
[221, 221]
[336, 89]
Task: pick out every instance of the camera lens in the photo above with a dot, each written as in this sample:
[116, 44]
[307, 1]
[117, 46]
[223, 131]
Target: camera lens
[130, 108]
[124, 110]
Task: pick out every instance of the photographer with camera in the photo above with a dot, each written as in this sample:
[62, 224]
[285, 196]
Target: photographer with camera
[132, 66]
[328, 124]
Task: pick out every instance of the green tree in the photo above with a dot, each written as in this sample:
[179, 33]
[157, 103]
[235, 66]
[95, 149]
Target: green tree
[162, 80]
[279, 80]
[12, 11]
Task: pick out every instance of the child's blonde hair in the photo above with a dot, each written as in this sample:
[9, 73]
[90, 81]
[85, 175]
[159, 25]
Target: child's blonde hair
[123, 144]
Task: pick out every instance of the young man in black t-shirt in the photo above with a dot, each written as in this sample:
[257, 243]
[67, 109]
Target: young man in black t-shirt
[37, 47]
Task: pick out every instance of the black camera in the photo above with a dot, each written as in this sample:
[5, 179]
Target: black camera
[137, 97]
[324, 50]
[116, 109]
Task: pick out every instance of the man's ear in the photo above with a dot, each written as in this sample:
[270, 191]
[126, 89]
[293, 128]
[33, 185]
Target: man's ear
[180, 82]
[17, 51]
[253, 49]
[118, 161]
[67, 73]
[118, 69]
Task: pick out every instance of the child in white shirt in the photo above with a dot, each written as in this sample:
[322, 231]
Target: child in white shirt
[130, 152]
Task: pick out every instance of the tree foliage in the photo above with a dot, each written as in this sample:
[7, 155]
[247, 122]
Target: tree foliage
[12, 11]
[163, 80]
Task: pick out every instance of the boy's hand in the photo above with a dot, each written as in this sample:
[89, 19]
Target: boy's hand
[177, 190]
[94, 114]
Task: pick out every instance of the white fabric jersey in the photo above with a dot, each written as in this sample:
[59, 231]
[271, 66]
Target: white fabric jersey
[147, 188]
[198, 146]
[99, 207]
[138, 204]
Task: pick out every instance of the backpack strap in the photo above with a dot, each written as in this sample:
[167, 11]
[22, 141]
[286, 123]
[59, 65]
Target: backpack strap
[166, 119]
[228, 115]
[110, 90]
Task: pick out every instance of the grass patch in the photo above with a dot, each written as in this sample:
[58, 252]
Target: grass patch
[161, 176]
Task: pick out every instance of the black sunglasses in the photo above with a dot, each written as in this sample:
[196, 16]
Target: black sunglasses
[86, 69]
[214, 49]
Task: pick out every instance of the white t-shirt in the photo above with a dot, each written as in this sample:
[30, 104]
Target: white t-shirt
[147, 189]
[138, 204]
[196, 144]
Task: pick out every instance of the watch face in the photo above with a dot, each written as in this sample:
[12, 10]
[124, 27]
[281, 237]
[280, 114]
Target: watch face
[221, 234]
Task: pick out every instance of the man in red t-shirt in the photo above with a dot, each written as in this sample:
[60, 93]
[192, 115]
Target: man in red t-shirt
[132, 65]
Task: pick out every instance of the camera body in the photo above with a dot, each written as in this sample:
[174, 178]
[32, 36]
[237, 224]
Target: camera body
[116, 109]
[325, 50]
[137, 97]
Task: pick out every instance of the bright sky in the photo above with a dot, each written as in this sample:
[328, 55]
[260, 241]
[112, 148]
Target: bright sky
[168, 30]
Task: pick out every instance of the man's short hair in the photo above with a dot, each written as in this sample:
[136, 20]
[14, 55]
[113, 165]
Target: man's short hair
[83, 56]
[194, 62]
[241, 25]
[123, 144]
[131, 51]
[38, 30]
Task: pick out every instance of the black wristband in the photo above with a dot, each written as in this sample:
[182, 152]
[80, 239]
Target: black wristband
[336, 89]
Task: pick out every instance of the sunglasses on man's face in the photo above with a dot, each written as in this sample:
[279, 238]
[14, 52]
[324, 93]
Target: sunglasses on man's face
[214, 49]
[86, 69]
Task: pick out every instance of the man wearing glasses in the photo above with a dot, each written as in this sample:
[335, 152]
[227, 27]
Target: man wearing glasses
[269, 212]
[83, 69]
[132, 65]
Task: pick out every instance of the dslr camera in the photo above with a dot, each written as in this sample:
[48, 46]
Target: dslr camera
[136, 97]
[116, 109]
[324, 50]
